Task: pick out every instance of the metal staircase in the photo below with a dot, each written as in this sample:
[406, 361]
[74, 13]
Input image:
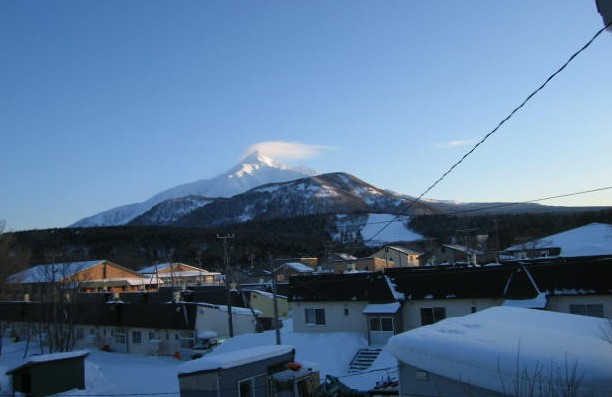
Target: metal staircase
[364, 359]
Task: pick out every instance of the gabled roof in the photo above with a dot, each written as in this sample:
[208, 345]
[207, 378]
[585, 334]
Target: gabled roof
[594, 239]
[369, 287]
[48, 273]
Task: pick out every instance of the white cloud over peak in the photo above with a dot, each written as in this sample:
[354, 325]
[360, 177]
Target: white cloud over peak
[285, 150]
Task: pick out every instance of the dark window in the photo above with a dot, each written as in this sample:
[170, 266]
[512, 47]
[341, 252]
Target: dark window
[246, 388]
[431, 315]
[315, 316]
[593, 310]
[136, 337]
[374, 324]
[386, 323]
[381, 324]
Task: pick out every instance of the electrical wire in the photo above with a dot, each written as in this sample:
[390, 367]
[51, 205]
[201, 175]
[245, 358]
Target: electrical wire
[502, 205]
[500, 124]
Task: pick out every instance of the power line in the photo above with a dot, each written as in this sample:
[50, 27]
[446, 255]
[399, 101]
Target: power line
[499, 125]
[495, 206]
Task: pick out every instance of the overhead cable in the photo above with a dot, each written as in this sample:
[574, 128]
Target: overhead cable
[500, 124]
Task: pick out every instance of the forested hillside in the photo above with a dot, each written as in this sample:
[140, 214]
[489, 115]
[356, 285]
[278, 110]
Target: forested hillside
[259, 242]
[505, 230]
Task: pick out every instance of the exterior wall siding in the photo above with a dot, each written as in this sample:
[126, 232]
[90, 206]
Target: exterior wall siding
[411, 310]
[336, 317]
[562, 304]
[211, 319]
[416, 382]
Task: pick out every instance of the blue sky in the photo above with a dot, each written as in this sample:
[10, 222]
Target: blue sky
[105, 103]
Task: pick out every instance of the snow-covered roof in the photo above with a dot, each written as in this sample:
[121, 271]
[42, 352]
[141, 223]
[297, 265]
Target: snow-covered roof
[233, 359]
[235, 310]
[594, 239]
[51, 272]
[161, 267]
[183, 273]
[489, 349]
[388, 308]
[403, 250]
[47, 358]
[120, 281]
[345, 256]
[267, 294]
[462, 248]
[299, 267]
[539, 302]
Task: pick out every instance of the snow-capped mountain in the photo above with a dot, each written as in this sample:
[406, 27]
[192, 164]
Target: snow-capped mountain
[255, 170]
[336, 193]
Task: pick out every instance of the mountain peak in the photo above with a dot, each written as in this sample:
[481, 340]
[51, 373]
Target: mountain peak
[257, 157]
[254, 170]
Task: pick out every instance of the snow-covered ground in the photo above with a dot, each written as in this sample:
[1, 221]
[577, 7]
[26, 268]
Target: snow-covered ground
[110, 373]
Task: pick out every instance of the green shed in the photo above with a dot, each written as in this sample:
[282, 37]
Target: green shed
[48, 374]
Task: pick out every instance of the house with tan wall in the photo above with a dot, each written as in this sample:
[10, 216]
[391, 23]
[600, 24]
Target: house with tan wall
[89, 276]
[398, 256]
[360, 264]
[180, 274]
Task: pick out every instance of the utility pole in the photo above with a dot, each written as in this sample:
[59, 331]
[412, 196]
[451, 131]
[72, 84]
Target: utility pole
[228, 293]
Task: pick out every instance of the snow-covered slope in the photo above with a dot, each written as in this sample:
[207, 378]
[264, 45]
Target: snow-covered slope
[588, 240]
[375, 229]
[336, 193]
[255, 170]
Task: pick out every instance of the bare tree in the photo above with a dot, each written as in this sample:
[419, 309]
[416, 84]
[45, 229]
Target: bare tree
[12, 260]
[57, 314]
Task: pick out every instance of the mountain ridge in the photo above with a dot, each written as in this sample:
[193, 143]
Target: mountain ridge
[254, 170]
[333, 193]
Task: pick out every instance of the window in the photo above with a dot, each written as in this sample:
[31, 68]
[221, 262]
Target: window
[315, 316]
[246, 388]
[136, 337]
[119, 337]
[430, 315]
[593, 310]
[152, 336]
[381, 324]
